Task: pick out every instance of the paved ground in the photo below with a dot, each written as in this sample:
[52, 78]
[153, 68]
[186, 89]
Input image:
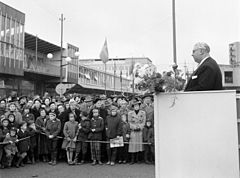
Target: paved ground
[62, 170]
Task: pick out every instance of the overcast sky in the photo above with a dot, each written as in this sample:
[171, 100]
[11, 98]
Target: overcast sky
[136, 27]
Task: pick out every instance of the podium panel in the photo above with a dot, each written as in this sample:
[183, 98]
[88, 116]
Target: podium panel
[196, 135]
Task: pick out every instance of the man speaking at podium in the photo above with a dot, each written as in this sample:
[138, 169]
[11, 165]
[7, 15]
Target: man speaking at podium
[207, 76]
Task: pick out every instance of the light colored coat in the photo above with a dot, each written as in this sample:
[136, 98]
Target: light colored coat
[136, 122]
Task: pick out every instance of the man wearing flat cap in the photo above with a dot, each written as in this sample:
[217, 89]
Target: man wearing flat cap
[207, 76]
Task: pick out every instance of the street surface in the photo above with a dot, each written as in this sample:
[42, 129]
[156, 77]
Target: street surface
[62, 170]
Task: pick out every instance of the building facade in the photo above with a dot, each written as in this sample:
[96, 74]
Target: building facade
[118, 65]
[25, 66]
[231, 72]
[11, 49]
[93, 80]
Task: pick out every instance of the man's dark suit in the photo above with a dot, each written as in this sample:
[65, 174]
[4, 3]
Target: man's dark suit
[207, 77]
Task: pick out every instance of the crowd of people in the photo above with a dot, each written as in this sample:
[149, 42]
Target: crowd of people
[76, 129]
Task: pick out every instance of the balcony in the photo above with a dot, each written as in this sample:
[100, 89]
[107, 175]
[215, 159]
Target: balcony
[95, 79]
[41, 67]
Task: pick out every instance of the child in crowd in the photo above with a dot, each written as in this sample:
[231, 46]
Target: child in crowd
[113, 130]
[33, 143]
[147, 148]
[97, 127]
[4, 130]
[12, 121]
[24, 144]
[53, 127]
[69, 142]
[11, 148]
[123, 151]
[82, 136]
[151, 142]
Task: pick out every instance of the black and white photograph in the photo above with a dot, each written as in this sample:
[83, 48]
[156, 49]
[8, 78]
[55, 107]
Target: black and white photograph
[119, 89]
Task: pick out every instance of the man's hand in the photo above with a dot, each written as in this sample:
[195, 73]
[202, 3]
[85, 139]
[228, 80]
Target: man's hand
[50, 136]
[93, 130]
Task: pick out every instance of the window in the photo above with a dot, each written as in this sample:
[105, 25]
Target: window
[228, 76]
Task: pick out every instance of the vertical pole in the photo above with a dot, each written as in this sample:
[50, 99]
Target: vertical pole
[61, 61]
[105, 76]
[121, 80]
[36, 52]
[174, 33]
[133, 87]
[114, 76]
[133, 77]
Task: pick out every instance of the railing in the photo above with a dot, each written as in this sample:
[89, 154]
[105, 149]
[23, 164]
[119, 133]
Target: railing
[93, 78]
[41, 68]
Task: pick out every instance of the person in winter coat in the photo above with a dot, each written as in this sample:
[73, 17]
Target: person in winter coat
[136, 119]
[123, 151]
[82, 136]
[113, 130]
[24, 144]
[42, 139]
[4, 130]
[53, 127]
[10, 148]
[69, 142]
[146, 138]
[97, 127]
[63, 116]
[151, 141]
[32, 153]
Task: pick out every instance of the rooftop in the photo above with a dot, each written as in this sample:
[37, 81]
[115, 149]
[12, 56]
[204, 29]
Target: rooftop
[42, 45]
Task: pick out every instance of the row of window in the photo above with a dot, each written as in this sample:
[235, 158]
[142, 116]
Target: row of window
[111, 67]
[11, 38]
[98, 78]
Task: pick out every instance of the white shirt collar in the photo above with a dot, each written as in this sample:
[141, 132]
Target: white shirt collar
[202, 61]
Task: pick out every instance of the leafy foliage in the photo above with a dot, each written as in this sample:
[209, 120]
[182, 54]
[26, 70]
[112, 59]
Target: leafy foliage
[167, 82]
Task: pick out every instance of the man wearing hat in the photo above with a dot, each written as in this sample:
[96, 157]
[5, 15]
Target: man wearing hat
[137, 120]
[103, 97]
[148, 106]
